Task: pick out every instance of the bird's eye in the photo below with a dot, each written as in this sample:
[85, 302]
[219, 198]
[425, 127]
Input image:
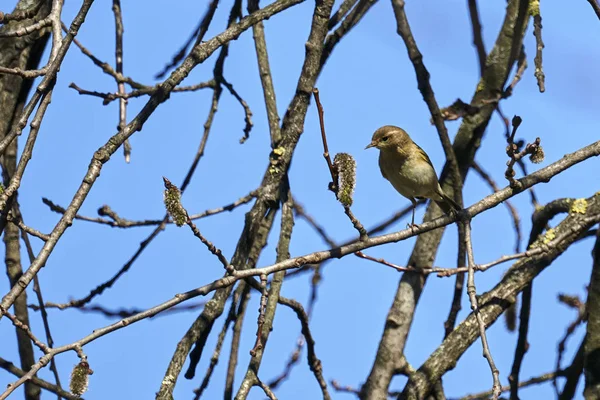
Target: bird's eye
[385, 139]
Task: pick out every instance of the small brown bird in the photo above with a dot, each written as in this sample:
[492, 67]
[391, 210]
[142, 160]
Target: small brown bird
[409, 169]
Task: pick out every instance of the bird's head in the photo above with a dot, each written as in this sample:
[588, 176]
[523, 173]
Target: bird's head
[389, 137]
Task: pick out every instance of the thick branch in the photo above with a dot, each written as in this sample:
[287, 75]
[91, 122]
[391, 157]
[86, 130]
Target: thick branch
[592, 338]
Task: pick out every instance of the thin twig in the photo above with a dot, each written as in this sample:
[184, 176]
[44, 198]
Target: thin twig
[520, 162]
[40, 298]
[146, 91]
[301, 212]
[539, 45]
[340, 13]
[33, 232]
[266, 78]
[122, 312]
[334, 174]
[313, 362]
[522, 343]
[269, 304]
[531, 381]
[573, 374]
[543, 247]
[456, 305]
[199, 333]
[292, 360]
[106, 67]
[349, 389]
[116, 8]
[258, 345]
[235, 339]
[197, 36]
[521, 67]
[266, 389]
[211, 247]
[580, 307]
[23, 327]
[10, 367]
[512, 150]
[477, 36]
[349, 22]
[456, 110]
[245, 106]
[472, 292]
[231, 316]
[120, 222]
[334, 185]
[315, 280]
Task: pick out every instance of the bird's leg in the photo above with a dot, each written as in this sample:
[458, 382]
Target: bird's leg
[412, 224]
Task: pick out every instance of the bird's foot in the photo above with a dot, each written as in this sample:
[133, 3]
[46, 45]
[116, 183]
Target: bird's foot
[412, 226]
[458, 215]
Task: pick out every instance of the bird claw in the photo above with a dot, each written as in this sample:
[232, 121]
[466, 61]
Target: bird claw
[412, 226]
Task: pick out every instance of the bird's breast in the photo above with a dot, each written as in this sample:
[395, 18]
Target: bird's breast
[409, 176]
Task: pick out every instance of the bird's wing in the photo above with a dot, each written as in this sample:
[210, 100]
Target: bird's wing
[421, 153]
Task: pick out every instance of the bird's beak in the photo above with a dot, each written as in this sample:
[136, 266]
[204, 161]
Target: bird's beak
[372, 144]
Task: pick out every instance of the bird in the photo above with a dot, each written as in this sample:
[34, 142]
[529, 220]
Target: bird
[408, 168]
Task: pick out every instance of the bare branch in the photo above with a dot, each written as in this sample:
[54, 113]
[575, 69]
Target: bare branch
[20, 325]
[592, 337]
[313, 362]
[116, 8]
[26, 30]
[197, 35]
[595, 6]
[266, 78]
[8, 366]
[532, 381]
[231, 316]
[477, 36]
[245, 106]
[341, 13]
[539, 44]
[199, 53]
[472, 292]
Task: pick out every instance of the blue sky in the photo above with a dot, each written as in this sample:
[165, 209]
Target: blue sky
[368, 82]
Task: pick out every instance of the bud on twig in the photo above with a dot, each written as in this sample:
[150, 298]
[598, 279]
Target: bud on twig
[537, 155]
[80, 378]
[172, 199]
[346, 170]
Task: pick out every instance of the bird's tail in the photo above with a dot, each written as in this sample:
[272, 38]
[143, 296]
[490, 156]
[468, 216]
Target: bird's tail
[446, 203]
